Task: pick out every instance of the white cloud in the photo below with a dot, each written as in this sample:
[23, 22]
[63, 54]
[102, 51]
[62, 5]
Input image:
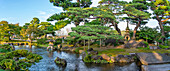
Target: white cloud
[59, 9]
[42, 12]
[95, 3]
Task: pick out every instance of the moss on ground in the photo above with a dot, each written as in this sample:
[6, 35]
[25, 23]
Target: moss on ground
[115, 52]
[77, 49]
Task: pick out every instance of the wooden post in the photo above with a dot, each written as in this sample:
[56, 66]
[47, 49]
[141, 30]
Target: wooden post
[25, 44]
[88, 44]
[84, 42]
[100, 42]
[19, 44]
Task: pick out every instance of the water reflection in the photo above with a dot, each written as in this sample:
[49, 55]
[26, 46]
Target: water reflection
[50, 55]
[74, 62]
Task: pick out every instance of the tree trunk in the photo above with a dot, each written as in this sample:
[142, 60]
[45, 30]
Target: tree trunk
[117, 29]
[100, 43]
[88, 43]
[76, 23]
[30, 44]
[84, 43]
[78, 0]
[146, 38]
[45, 35]
[134, 32]
[162, 29]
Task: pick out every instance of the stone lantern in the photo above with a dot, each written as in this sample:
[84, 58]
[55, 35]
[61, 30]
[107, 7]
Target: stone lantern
[127, 34]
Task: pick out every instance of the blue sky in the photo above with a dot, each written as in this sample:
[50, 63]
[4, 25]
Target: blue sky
[22, 11]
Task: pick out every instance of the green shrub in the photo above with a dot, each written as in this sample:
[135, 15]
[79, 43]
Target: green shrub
[58, 41]
[99, 61]
[42, 41]
[77, 49]
[3, 50]
[34, 57]
[87, 59]
[1, 58]
[163, 47]
[8, 64]
[6, 46]
[17, 53]
[146, 43]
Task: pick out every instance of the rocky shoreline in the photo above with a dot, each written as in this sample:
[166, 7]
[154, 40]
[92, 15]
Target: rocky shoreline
[92, 56]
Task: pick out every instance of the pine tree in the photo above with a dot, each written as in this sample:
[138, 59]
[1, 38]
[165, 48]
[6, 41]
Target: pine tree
[93, 32]
[68, 3]
[115, 6]
[136, 11]
[161, 10]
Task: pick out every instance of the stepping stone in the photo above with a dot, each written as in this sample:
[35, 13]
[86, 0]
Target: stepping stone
[153, 58]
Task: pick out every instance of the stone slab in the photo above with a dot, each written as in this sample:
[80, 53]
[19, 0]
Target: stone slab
[159, 67]
[153, 58]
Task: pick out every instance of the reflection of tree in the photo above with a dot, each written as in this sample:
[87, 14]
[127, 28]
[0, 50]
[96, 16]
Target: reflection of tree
[50, 54]
[31, 50]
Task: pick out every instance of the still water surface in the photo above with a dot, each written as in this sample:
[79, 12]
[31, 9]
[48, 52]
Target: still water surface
[74, 62]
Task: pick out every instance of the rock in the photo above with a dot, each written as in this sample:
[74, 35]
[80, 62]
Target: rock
[127, 56]
[91, 49]
[124, 58]
[72, 49]
[132, 54]
[83, 54]
[153, 58]
[120, 56]
[154, 47]
[167, 54]
[157, 67]
[65, 48]
[106, 57]
[60, 61]
[81, 51]
[112, 59]
[167, 48]
[150, 47]
[135, 44]
[141, 44]
[96, 57]
[92, 52]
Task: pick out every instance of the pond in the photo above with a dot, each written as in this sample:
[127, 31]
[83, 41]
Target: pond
[74, 62]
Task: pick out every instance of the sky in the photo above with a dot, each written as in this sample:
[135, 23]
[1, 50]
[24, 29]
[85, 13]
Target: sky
[23, 11]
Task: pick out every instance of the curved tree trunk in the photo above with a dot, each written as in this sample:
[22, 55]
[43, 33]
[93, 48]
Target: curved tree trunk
[162, 31]
[78, 0]
[134, 31]
[161, 27]
[77, 23]
[116, 27]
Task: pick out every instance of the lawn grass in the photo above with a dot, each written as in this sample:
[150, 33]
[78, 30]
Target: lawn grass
[43, 45]
[115, 52]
